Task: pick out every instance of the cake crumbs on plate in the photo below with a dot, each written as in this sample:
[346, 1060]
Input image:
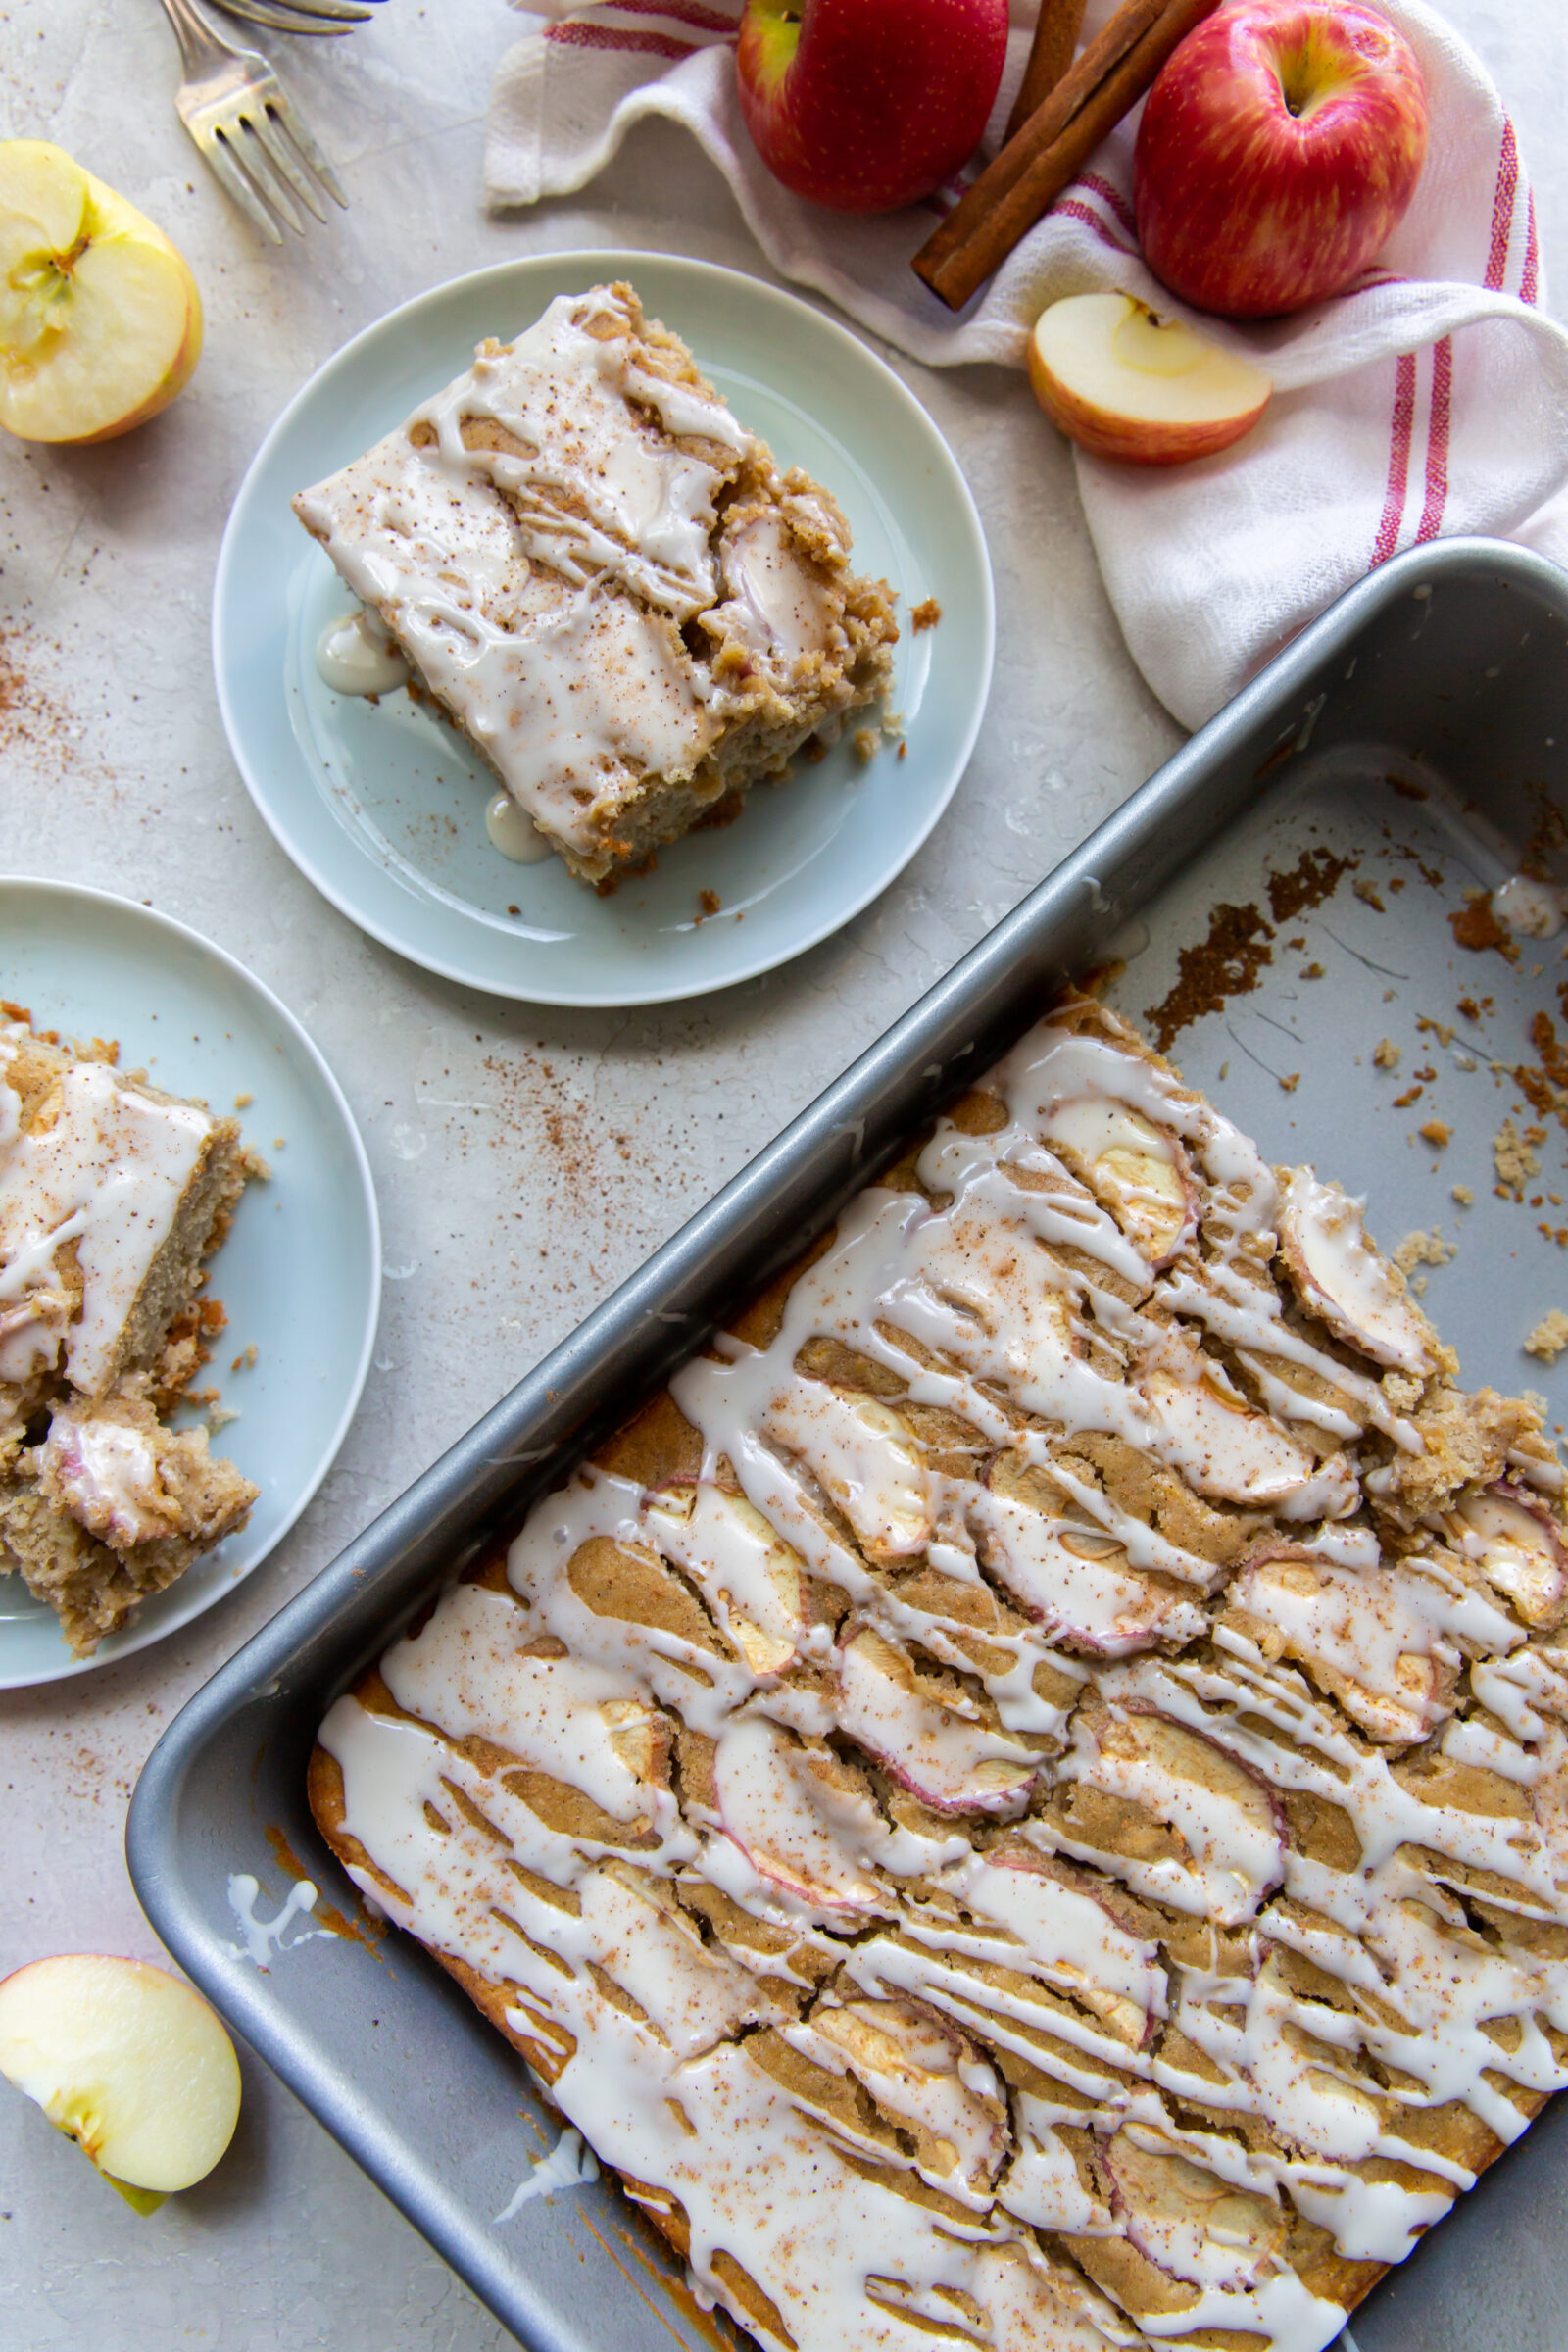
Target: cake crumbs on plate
[1549, 1337]
[245, 1361]
[709, 902]
[1366, 890]
[925, 615]
[1435, 1132]
[867, 742]
[1289, 1085]
[244, 1102]
[1514, 1157]
[1386, 1055]
[1420, 1248]
[1464, 1196]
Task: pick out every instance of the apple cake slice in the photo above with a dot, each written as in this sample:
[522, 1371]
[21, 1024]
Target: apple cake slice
[605, 582]
[113, 1195]
[1025, 1798]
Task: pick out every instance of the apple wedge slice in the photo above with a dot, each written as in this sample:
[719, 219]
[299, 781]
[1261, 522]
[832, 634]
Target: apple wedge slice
[1123, 382]
[100, 321]
[129, 2062]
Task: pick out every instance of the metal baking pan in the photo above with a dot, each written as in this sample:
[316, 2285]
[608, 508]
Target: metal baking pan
[1445, 673]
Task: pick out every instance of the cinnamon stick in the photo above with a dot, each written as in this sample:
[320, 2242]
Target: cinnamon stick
[1057, 30]
[1053, 145]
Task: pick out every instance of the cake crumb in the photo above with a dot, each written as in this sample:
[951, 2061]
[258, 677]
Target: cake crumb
[865, 741]
[1289, 1085]
[1366, 890]
[1420, 1248]
[1386, 1055]
[1312, 971]
[243, 1101]
[514, 910]
[1474, 926]
[245, 1360]
[1549, 1337]
[1464, 1196]
[1441, 1030]
[1411, 1094]
[1514, 1158]
[925, 615]
[1435, 1132]
[709, 902]
[278, 1140]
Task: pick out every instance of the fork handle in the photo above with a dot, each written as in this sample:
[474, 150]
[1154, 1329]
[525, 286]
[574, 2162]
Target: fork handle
[200, 47]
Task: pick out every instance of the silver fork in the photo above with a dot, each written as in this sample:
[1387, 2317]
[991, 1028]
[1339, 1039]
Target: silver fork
[300, 15]
[249, 132]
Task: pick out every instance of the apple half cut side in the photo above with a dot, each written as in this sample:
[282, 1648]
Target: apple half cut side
[129, 2062]
[100, 321]
[1123, 382]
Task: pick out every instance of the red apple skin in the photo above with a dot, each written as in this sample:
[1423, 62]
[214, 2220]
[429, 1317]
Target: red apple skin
[866, 105]
[1249, 209]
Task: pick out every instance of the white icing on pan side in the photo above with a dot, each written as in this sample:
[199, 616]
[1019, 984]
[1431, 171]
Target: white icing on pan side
[1017, 1844]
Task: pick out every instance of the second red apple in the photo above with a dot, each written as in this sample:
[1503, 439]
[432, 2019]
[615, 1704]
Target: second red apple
[1278, 151]
[866, 105]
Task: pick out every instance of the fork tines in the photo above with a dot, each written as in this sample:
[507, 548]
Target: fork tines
[262, 152]
[301, 16]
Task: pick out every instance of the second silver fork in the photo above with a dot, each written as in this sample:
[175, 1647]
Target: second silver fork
[249, 130]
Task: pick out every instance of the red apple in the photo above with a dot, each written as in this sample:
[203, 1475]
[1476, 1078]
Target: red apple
[865, 105]
[1278, 149]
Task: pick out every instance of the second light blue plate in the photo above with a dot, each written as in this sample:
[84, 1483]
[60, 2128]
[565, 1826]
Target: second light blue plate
[383, 807]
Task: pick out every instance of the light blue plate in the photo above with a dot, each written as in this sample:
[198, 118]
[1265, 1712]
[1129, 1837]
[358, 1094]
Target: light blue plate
[383, 807]
[300, 1272]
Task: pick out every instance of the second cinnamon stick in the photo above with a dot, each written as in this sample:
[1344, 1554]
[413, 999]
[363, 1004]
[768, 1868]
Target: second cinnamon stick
[1057, 31]
[1053, 145]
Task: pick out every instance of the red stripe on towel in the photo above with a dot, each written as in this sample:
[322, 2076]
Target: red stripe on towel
[1437, 496]
[1069, 208]
[1110, 196]
[1502, 205]
[1530, 282]
[610, 37]
[684, 12]
[1388, 537]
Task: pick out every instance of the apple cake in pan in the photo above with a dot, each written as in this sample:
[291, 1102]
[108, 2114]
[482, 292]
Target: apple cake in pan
[605, 582]
[1025, 1798]
[113, 1195]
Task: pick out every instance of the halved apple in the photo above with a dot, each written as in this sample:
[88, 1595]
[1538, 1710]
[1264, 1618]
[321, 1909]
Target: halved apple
[1123, 382]
[129, 2062]
[100, 321]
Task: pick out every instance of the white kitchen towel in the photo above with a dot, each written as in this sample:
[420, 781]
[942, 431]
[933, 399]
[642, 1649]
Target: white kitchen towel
[1430, 399]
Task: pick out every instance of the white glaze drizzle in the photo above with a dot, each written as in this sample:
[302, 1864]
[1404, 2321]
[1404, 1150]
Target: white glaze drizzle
[353, 655]
[265, 1937]
[1045, 1309]
[568, 2165]
[102, 1165]
[535, 537]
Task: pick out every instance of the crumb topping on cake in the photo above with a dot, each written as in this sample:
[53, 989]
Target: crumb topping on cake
[1025, 1797]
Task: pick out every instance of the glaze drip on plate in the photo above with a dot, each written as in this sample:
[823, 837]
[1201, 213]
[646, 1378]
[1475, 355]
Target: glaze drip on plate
[1028, 1797]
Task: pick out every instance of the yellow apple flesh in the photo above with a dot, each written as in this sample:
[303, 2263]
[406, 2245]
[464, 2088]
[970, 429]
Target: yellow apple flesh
[100, 321]
[129, 2062]
[1124, 383]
